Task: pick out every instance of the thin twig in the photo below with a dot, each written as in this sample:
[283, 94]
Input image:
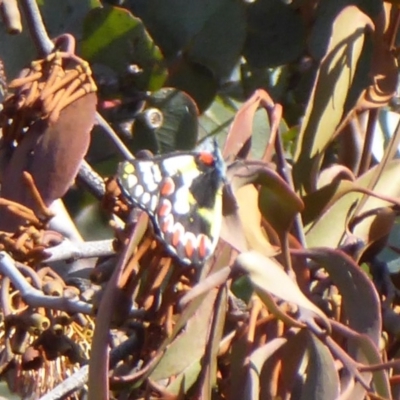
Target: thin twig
[36, 27]
[119, 144]
[91, 180]
[68, 250]
[69, 385]
[98, 363]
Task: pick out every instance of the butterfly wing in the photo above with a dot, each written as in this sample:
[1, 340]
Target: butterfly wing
[140, 182]
[183, 197]
[190, 211]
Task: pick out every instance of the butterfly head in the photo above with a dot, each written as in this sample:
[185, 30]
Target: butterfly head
[209, 156]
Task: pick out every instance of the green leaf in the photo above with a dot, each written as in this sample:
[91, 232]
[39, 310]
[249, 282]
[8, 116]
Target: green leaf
[257, 362]
[328, 209]
[185, 352]
[268, 278]
[212, 47]
[210, 32]
[322, 379]
[275, 36]
[360, 299]
[196, 80]
[17, 51]
[327, 105]
[115, 38]
[178, 130]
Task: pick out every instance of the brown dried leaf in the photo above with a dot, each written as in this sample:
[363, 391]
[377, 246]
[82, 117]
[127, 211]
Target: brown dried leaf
[384, 67]
[241, 129]
[52, 154]
[61, 149]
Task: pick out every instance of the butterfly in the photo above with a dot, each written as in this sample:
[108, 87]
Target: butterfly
[182, 194]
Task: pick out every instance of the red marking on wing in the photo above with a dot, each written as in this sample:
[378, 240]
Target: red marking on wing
[167, 223]
[164, 208]
[206, 158]
[204, 244]
[178, 234]
[190, 245]
[168, 187]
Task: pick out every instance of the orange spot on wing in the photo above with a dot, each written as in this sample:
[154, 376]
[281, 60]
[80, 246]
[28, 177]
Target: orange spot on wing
[190, 245]
[166, 224]
[177, 235]
[206, 158]
[164, 208]
[168, 187]
[204, 244]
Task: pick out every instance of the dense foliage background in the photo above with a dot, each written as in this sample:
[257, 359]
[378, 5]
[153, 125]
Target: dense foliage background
[300, 299]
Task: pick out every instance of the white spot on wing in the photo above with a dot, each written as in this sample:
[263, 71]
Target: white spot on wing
[145, 167]
[146, 172]
[131, 180]
[153, 202]
[181, 204]
[172, 164]
[145, 198]
[156, 173]
[150, 184]
[138, 191]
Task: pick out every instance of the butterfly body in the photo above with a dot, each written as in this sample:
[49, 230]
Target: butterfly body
[182, 193]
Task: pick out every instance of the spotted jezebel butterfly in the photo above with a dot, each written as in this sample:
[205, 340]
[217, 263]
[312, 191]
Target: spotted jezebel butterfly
[182, 194]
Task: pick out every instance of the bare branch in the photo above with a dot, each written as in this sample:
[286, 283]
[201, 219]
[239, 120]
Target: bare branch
[67, 250]
[36, 27]
[36, 298]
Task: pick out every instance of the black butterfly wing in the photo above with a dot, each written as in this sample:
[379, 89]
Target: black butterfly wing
[183, 198]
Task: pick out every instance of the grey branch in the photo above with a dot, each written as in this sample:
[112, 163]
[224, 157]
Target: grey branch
[35, 297]
[68, 250]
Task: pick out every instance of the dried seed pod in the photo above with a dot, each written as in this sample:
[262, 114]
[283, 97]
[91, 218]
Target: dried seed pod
[53, 288]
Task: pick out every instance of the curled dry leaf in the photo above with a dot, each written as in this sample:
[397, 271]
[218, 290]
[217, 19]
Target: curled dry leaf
[335, 172]
[241, 129]
[277, 202]
[373, 355]
[232, 229]
[300, 355]
[376, 225]
[384, 68]
[61, 153]
[322, 378]
[384, 73]
[51, 153]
